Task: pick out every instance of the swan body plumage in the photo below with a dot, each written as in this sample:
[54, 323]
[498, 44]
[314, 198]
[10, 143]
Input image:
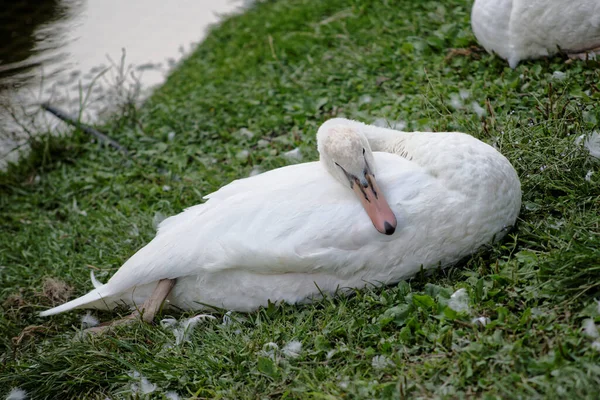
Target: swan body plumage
[295, 232]
[522, 29]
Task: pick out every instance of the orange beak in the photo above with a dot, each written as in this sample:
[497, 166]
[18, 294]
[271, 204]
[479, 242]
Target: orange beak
[375, 204]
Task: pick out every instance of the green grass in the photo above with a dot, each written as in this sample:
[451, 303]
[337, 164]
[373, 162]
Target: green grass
[280, 70]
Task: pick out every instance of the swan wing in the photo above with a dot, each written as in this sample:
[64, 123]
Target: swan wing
[295, 219]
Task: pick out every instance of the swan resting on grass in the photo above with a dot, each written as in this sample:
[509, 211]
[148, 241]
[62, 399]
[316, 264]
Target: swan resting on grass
[378, 206]
[522, 29]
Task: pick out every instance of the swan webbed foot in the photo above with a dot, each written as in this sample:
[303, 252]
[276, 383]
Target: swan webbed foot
[147, 312]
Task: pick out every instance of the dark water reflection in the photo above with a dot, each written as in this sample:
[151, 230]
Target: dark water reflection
[65, 51]
[23, 46]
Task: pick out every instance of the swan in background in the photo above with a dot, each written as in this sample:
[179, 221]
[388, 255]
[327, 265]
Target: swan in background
[295, 232]
[522, 29]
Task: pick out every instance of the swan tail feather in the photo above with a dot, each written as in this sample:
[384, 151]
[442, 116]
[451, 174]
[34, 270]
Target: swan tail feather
[93, 299]
[97, 284]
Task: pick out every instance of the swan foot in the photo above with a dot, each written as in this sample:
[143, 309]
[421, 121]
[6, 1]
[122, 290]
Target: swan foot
[468, 52]
[147, 312]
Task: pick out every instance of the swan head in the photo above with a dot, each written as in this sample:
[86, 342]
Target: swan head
[347, 156]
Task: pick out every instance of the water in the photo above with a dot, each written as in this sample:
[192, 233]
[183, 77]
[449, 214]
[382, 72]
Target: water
[90, 54]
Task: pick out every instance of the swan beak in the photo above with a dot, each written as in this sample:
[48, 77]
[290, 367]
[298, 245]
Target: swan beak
[375, 204]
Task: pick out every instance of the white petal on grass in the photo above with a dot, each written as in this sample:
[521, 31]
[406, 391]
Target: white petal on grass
[459, 301]
[293, 155]
[16, 394]
[592, 144]
[477, 109]
[292, 349]
[483, 321]
[381, 362]
[89, 321]
[590, 329]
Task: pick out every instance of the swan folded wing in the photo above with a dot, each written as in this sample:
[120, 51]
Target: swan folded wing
[304, 224]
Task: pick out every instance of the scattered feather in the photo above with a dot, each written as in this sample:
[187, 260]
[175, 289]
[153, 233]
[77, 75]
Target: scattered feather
[293, 155]
[227, 319]
[459, 301]
[16, 394]
[77, 210]
[483, 321]
[590, 329]
[255, 171]
[245, 132]
[464, 94]
[270, 350]
[365, 99]
[588, 176]
[89, 321]
[157, 219]
[143, 385]
[166, 188]
[592, 144]
[559, 75]
[172, 395]
[242, 155]
[183, 329]
[381, 362]
[134, 231]
[292, 349]
[171, 136]
[263, 143]
[596, 345]
[455, 101]
[477, 109]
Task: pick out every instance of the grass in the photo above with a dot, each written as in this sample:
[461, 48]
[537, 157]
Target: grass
[279, 71]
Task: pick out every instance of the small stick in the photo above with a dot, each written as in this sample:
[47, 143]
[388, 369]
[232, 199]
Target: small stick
[63, 116]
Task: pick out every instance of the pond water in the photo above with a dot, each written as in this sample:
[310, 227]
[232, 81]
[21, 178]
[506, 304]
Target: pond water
[90, 53]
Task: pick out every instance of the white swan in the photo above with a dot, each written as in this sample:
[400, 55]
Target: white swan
[521, 29]
[291, 233]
